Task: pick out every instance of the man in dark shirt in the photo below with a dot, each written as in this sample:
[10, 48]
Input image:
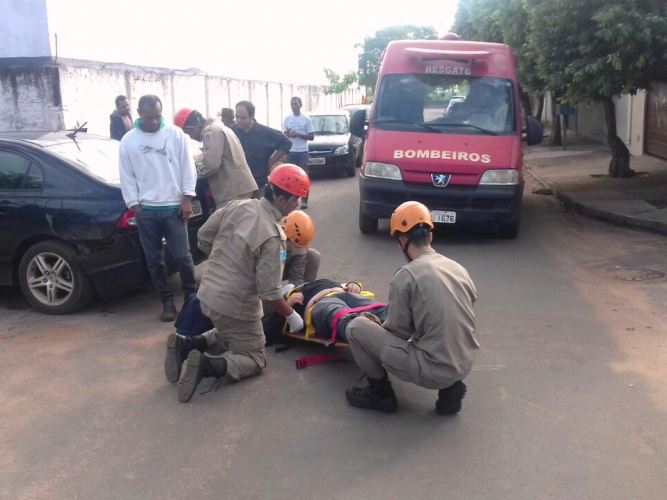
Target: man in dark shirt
[263, 146]
[120, 121]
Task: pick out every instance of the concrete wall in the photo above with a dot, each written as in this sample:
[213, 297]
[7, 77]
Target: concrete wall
[589, 120]
[86, 91]
[24, 29]
[630, 121]
[30, 98]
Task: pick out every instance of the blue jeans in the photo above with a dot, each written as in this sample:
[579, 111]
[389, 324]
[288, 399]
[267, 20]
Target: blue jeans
[168, 224]
[299, 158]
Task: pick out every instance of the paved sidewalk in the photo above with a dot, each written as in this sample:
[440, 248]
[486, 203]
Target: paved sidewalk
[578, 178]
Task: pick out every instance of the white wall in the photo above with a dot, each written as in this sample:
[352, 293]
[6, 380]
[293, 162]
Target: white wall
[24, 29]
[30, 99]
[57, 96]
[590, 121]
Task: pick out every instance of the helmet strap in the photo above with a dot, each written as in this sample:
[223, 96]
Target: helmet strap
[405, 248]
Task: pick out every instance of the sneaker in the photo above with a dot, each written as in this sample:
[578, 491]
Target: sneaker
[191, 374]
[449, 399]
[376, 396]
[178, 349]
[168, 312]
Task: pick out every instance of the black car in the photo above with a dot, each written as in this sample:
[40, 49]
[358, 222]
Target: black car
[65, 232]
[334, 148]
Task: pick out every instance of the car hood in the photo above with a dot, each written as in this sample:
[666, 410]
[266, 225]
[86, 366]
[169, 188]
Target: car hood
[324, 141]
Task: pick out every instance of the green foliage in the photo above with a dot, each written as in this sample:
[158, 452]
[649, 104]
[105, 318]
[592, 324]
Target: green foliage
[338, 84]
[503, 21]
[372, 47]
[592, 50]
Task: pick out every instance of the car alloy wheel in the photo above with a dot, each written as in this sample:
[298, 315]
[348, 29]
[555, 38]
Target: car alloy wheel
[50, 279]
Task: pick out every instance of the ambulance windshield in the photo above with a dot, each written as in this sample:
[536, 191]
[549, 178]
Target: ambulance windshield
[446, 104]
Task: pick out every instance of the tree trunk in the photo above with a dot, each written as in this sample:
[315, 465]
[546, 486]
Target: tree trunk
[525, 102]
[619, 166]
[540, 107]
[555, 139]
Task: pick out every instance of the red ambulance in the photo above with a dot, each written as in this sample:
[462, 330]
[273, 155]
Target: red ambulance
[446, 129]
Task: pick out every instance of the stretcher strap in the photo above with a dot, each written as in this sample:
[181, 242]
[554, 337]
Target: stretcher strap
[317, 359]
[310, 329]
[343, 312]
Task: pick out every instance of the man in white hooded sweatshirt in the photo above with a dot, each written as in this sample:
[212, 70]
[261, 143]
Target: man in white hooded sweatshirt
[158, 177]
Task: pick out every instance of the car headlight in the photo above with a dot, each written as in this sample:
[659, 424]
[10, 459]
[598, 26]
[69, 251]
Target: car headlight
[382, 171]
[500, 177]
[342, 150]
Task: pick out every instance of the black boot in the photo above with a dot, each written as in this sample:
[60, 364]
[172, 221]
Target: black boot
[178, 348]
[195, 368]
[168, 311]
[449, 399]
[377, 395]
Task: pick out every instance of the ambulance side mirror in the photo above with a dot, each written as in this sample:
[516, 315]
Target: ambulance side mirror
[358, 123]
[534, 131]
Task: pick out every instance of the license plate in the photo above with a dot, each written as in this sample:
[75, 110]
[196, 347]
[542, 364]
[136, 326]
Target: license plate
[316, 161]
[442, 217]
[196, 208]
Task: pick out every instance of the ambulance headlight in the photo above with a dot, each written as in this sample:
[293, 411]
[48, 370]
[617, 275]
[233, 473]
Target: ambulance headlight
[382, 171]
[342, 150]
[500, 177]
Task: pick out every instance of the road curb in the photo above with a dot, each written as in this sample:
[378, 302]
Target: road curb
[604, 215]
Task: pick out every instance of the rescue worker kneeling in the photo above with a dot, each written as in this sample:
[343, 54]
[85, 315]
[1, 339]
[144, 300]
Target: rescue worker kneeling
[428, 337]
[246, 249]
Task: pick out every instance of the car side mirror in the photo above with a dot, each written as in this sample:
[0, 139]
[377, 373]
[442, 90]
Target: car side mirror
[534, 132]
[358, 123]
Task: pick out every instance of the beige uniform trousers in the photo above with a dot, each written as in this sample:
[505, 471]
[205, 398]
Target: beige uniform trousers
[366, 341]
[239, 343]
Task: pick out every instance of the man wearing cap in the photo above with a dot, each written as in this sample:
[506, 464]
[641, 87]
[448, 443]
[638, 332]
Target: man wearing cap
[246, 249]
[222, 162]
[428, 337]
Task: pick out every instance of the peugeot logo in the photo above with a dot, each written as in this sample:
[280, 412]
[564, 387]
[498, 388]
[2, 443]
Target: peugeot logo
[440, 180]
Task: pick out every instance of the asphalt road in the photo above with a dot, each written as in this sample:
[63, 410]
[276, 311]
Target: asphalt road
[567, 398]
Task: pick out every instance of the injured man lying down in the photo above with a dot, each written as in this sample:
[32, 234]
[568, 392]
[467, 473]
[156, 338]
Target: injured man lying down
[326, 307]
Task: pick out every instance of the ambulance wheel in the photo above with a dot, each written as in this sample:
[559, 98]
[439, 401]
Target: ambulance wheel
[367, 225]
[510, 231]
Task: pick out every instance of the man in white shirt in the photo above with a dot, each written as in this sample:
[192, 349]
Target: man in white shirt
[158, 177]
[299, 129]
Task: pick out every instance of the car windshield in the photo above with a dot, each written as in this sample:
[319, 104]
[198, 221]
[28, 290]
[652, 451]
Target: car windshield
[329, 124]
[446, 104]
[98, 157]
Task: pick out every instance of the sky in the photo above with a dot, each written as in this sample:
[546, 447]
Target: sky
[278, 40]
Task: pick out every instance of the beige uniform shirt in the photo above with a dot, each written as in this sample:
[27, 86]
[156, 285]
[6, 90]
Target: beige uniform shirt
[431, 307]
[224, 165]
[246, 248]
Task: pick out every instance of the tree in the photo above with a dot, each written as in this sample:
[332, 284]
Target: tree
[372, 47]
[339, 84]
[595, 50]
[508, 22]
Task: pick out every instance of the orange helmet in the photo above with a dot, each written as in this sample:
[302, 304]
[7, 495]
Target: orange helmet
[299, 228]
[182, 116]
[408, 215]
[291, 178]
